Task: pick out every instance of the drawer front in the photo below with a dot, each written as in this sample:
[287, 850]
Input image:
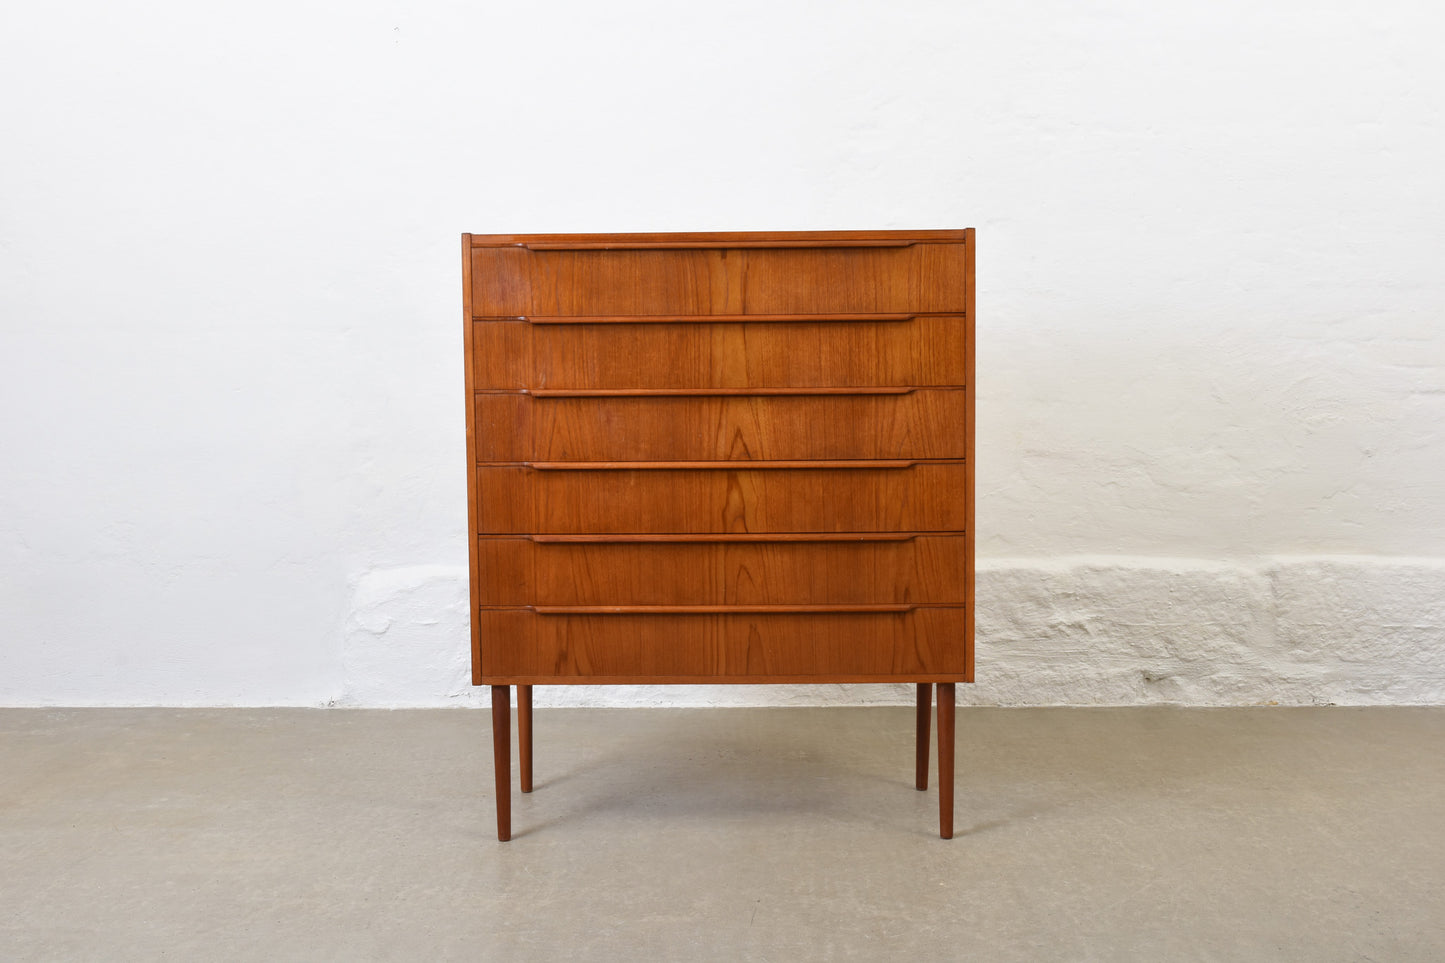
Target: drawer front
[546, 280]
[895, 569]
[896, 497]
[923, 350]
[915, 644]
[902, 423]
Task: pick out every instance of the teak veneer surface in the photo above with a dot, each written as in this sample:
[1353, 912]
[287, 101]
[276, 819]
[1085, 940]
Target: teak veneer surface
[921, 423]
[650, 278]
[912, 496]
[721, 457]
[918, 350]
[918, 644]
[914, 569]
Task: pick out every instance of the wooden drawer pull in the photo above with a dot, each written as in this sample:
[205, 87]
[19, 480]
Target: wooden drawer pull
[705, 392]
[726, 537]
[713, 609]
[701, 318]
[698, 245]
[739, 465]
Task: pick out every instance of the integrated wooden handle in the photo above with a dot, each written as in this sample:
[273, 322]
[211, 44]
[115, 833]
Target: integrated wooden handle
[726, 537]
[715, 465]
[713, 609]
[697, 245]
[704, 392]
[703, 318]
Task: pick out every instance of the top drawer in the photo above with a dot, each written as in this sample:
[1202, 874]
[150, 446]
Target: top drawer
[617, 278]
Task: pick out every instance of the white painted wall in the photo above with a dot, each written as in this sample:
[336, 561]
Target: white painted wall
[1212, 368]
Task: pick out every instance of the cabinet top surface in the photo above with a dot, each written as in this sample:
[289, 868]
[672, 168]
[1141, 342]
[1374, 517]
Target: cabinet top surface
[721, 237]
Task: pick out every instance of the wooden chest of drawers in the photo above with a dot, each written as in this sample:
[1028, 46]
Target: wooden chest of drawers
[720, 458]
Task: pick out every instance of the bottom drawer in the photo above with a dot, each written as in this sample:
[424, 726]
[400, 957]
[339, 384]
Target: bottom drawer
[552, 646]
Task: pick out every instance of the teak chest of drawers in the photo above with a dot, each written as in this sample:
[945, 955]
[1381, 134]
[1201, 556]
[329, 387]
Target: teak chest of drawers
[720, 458]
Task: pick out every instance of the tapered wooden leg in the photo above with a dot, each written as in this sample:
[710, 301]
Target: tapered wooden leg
[502, 757]
[925, 708]
[524, 734]
[945, 759]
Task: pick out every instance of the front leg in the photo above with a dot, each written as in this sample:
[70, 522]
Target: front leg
[502, 757]
[945, 759]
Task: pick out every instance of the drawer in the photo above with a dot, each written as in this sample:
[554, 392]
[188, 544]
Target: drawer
[581, 426]
[721, 570]
[918, 644]
[676, 498]
[920, 350]
[551, 278]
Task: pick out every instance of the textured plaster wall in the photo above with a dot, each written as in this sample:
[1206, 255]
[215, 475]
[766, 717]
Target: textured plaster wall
[1211, 362]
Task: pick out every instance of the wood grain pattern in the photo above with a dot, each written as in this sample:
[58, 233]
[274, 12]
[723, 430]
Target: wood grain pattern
[508, 282]
[927, 350]
[515, 427]
[911, 645]
[927, 497]
[517, 571]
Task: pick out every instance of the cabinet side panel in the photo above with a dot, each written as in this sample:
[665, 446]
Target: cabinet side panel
[970, 537]
[472, 520]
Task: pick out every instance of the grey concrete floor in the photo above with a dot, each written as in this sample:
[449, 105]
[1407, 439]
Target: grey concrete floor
[722, 834]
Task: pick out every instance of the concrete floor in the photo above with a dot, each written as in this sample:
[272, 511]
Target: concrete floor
[723, 834]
